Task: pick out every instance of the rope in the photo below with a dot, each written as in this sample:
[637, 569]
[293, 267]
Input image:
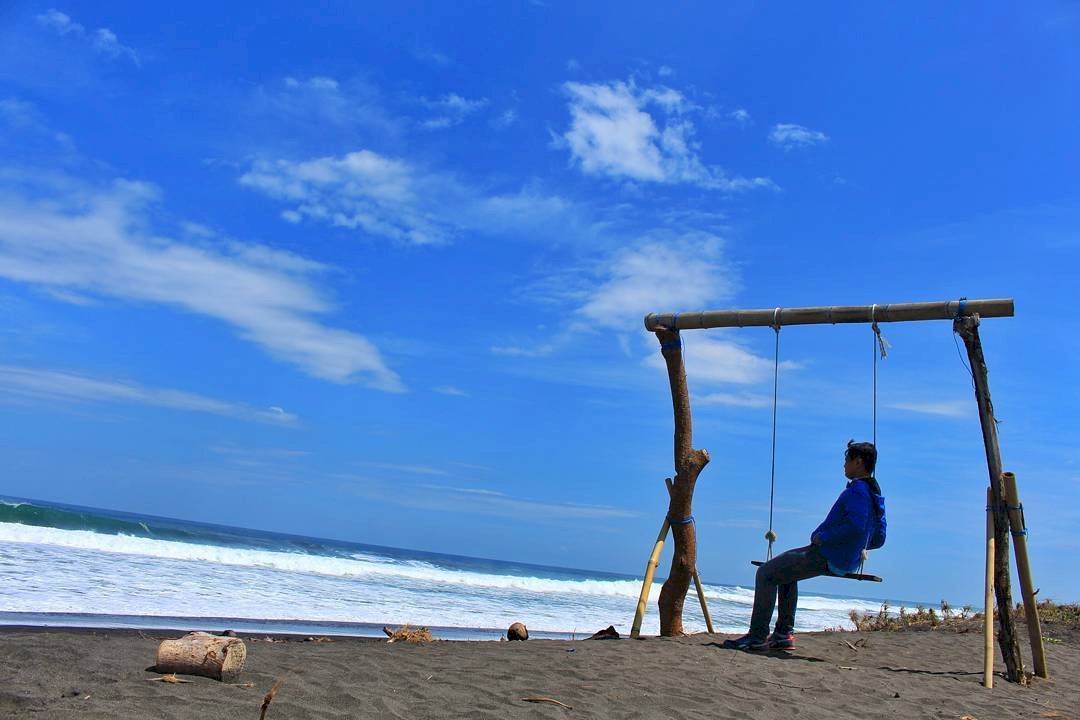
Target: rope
[880, 347]
[770, 536]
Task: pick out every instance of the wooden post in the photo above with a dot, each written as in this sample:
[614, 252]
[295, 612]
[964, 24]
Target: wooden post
[646, 584]
[1023, 570]
[968, 329]
[701, 599]
[688, 465]
[988, 595]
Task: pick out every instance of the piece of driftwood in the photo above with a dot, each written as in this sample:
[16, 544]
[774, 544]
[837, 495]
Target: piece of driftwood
[968, 330]
[549, 701]
[268, 698]
[199, 653]
[405, 633]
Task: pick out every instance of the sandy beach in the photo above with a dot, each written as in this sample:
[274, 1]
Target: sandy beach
[60, 673]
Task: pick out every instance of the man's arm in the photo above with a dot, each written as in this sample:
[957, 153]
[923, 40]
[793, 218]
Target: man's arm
[850, 522]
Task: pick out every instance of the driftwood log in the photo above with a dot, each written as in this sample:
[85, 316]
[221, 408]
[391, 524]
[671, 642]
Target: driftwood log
[199, 653]
[688, 465]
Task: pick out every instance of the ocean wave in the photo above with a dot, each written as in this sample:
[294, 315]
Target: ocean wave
[369, 567]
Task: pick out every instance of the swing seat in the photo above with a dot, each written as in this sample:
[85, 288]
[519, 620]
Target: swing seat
[847, 576]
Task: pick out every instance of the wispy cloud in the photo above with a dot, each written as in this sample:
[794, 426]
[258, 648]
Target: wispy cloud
[304, 107]
[102, 40]
[392, 198]
[790, 136]
[637, 280]
[451, 390]
[942, 408]
[492, 502]
[744, 400]
[712, 360]
[71, 387]
[405, 468]
[505, 119]
[101, 241]
[614, 131]
[451, 109]
[741, 116]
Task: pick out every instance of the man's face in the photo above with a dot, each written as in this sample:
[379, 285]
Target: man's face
[853, 467]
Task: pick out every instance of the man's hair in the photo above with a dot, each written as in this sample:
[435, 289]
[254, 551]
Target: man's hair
[862, 451]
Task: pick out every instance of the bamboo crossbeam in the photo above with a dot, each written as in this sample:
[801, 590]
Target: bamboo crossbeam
[776, 317]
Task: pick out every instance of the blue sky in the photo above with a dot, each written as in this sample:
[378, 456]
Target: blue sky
[378, 273]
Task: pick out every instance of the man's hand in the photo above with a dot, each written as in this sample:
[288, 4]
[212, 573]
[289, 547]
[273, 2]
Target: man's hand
[815, 539]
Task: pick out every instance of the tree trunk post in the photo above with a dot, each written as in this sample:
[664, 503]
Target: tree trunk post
[688, 465]
[968, 329]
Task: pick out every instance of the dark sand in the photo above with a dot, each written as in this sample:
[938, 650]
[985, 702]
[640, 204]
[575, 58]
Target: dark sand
[930, 674]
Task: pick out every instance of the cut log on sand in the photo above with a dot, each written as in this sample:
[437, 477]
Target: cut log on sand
[198, 653]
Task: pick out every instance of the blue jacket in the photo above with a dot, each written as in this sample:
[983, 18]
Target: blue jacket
[847, 528]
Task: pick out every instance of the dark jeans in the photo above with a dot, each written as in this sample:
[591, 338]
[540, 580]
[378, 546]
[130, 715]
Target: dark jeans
[781, 575]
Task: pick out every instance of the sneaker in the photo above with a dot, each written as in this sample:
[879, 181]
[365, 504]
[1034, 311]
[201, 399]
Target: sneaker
[747, 644]
[781, 642]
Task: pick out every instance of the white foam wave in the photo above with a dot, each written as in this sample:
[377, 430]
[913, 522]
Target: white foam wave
[359, 566]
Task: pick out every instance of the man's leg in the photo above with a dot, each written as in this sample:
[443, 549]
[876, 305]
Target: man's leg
[781, 573]
[809, 563]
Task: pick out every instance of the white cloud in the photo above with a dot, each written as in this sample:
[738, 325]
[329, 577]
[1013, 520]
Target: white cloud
[789, 136]
[659, 275]
[320, 101]
[492, 502]
[505, 119]
[451, 390]
[745, 400]
[390, 198]
[712, 360]
[360, 190]
[539, 350]
[612, 132]
[945, 408]
[100, 242]
[70, 387]
[61, 23]
[411, 469]
[665, 71]
[741, 116]
[103, 40]
[452, 109]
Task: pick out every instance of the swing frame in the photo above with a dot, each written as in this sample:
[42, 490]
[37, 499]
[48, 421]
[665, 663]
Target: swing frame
[965, 315]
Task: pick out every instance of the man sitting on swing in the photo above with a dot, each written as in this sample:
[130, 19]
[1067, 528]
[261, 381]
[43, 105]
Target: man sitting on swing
[856, 522]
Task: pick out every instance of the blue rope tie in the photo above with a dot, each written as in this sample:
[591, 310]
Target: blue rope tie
[685, 521]
[960, 307]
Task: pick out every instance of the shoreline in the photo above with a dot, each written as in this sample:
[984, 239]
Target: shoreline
[107, 673]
